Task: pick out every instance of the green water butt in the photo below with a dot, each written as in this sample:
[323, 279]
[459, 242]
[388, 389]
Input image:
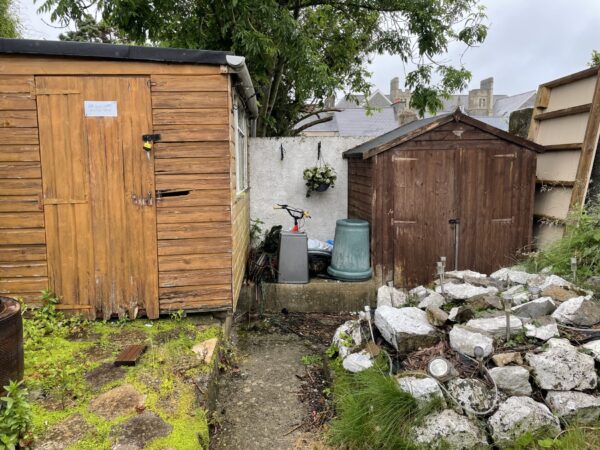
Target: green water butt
[351, 258]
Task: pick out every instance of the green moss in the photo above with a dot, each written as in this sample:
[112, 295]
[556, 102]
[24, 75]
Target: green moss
[162, 374]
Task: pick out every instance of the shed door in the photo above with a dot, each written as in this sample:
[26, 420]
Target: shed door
[98, 189]
[424, 201]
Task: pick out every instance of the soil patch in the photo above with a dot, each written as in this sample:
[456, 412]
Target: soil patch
[63, 434]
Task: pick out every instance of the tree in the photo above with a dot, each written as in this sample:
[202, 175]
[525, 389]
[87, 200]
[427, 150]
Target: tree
[595, 61]
[88, 30]
[299, 52]
[9, 22]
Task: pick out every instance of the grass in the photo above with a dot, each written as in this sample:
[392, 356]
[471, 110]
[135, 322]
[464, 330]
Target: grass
[573, 437]
[373, 413]
[581, 239]
[56, 362]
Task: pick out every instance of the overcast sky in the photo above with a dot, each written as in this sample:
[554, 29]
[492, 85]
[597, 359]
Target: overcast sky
[529, 42]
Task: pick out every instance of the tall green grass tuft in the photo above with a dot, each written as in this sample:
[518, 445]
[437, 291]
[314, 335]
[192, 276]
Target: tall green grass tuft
[581, 239]
[373, 413]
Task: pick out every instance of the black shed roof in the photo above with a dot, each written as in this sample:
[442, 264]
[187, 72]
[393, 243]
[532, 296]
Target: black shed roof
[111, 51]
[418, 127]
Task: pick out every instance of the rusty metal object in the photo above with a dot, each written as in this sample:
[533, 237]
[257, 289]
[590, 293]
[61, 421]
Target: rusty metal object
[11, 342]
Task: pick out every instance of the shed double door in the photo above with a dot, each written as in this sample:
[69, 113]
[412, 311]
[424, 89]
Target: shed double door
[98, 189]
[483, 188]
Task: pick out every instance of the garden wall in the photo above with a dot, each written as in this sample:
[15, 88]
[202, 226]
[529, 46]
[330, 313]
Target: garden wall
[273, 180]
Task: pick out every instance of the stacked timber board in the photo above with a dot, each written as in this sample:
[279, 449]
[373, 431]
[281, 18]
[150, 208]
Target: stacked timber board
[565, 121]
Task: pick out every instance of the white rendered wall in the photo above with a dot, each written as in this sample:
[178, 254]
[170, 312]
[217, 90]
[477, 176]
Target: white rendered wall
[275, 181]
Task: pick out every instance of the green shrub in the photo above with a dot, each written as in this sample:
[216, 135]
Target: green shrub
[15, 417]
[373, 413]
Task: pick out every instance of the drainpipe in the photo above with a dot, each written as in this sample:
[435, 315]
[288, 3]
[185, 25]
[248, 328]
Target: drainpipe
[237, 65]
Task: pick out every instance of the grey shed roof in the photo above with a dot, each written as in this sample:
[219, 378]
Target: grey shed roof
[111, 51]
[413, 129]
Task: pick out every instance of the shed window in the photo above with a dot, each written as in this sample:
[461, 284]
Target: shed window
[241, 146]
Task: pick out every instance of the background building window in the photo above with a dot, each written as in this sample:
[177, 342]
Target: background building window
[482, 102]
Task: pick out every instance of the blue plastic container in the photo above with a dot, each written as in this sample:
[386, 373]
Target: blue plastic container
[351, 258]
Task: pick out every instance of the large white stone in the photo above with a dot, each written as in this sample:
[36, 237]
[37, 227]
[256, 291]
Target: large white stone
[574, 406]
[456, 432]
[471, 393]
[407, 329]
[518, 416]
[543, 328]
[461, 274]
[390, 296]
[347, 337]
[495, 326]
[552, 280]
[423, 389]
[593, 347]
[464, 291]
[514, 380]
[464, 340]
[513, 275]
[433, 299]
[420, 292]
[536, 308]
[357, 362]
[562, 368]
[578, 311]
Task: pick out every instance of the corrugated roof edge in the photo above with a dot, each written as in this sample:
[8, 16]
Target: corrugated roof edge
[237, 64]
[413, 129]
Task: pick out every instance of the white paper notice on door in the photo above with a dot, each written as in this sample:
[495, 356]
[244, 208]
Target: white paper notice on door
[100, 109]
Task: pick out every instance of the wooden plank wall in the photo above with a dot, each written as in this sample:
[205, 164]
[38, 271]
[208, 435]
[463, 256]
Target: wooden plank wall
[566, 120]
[192, 168]
[23, 269]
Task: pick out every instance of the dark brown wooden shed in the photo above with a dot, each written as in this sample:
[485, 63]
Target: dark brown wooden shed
[414, 183]
[123, 180]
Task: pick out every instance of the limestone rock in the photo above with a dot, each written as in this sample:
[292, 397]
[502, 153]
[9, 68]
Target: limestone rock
[347, 337]
[594, 281]
[390, 296]
[407, 329]
[543, 328]
[461, 274]
[465, 291]
[485, 302]
[420, 292]
[423, 389]
[461, 314]
[562, 368]
[433, 299]
[136, 432]
[471, 393]
[118, 401]
[456, 432]
[513, 275]
[436, 316]
[357, 362]
[206, 349]
[504, 359]
[579, 312]
[542, 306]
[593, 348]
[552, 280]
[514, 380]
[518, 416]
[464, 340]
[495, 326]
[574, 406]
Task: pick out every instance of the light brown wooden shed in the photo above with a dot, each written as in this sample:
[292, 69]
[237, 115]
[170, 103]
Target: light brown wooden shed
[412, 183]
[123, 182]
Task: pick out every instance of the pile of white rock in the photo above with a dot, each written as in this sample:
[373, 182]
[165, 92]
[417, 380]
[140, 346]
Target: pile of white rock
[470, 310]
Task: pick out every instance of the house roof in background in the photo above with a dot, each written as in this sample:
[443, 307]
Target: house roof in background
[506, 105]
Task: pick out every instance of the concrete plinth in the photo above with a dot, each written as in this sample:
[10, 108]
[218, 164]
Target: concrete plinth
[325, 296]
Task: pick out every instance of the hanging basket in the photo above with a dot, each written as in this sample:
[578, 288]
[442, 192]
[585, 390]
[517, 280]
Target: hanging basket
[322, 187]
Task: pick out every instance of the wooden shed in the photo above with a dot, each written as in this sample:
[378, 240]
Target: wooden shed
[438, 178]
[123, 182]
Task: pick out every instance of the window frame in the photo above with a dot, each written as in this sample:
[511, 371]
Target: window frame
[241, 145]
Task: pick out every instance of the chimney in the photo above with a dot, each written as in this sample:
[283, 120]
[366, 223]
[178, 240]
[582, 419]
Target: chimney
[330, 102]
[405, 116]
[487, 86]
[395, 89]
